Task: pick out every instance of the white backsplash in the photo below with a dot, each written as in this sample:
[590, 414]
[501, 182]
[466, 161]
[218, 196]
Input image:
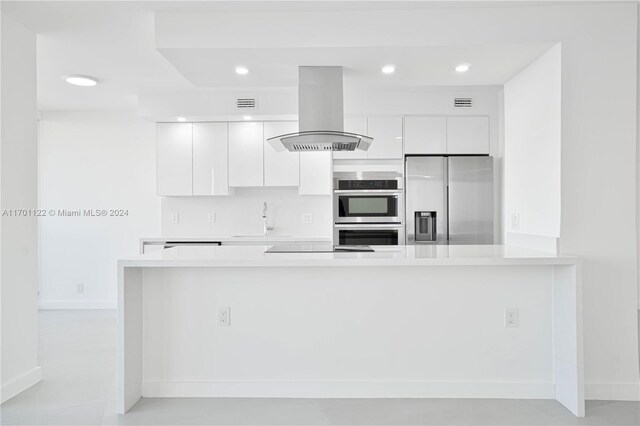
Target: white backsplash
[241, 214]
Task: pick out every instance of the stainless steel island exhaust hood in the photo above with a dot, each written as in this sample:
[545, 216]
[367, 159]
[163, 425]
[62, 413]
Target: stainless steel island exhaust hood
[321, 115]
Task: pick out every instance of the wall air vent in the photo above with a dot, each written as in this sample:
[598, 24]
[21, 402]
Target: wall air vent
[463, 102]
[246, 103]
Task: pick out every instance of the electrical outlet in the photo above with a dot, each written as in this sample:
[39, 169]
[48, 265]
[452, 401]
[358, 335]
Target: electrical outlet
[211, 217]
[307, 218]
[174, 218]
[511, 317]
[80, 288]
[224, 316]
[515, 221]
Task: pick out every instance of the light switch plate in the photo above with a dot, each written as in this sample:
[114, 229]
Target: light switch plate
[211, 217]
[174, 218]
[307, 218]
[511, 317]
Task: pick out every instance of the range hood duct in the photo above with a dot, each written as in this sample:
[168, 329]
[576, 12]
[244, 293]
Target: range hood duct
[321, 115]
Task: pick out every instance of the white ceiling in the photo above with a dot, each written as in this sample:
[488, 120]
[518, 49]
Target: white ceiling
[415, 65]
[115, 42]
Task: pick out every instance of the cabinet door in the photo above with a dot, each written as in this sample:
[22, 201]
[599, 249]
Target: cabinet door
[210, 160]
[425, 135]
[315, 173]
[468, 135]
[353, 125]
[246, 154]
[280, 168]
[174, 154]
[387, 137]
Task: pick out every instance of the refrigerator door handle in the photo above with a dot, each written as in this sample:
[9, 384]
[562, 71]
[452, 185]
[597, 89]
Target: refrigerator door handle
[446, 208]
[446, 199]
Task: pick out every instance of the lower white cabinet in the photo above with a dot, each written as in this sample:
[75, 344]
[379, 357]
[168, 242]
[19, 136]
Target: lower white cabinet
[210, 162]
[281, 168]
[174, 155]
[246, 164]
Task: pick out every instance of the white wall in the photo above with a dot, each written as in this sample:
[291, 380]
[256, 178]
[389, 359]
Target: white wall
[242, 214]
[532, 117]
[93, 160]
[18, 176]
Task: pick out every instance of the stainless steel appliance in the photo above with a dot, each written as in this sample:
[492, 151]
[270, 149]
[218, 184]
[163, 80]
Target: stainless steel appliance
[317, 248]
[375, 234]
[449, 200]
[320, 111]
[368, 208]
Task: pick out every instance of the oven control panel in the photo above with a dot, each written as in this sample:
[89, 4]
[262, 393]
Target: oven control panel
[357, 184]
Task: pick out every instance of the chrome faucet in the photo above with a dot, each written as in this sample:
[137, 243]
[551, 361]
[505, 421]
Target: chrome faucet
[267, 228]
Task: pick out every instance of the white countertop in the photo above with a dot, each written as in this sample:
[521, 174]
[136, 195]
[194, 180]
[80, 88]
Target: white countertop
[232, 238]
[422, 255]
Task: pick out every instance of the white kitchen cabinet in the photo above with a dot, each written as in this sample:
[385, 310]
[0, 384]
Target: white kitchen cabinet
[315, 173]
[425, 135]
[467, 135]
[174, 155]
[210, 159]
[281, 168]
[353, 125]
[387, 137]
[246, 164]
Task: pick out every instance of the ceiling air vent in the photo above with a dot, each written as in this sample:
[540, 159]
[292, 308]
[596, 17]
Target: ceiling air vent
[463, 102]
[246, 103]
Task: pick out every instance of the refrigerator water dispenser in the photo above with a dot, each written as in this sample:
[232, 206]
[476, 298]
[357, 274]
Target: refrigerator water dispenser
[425, 224]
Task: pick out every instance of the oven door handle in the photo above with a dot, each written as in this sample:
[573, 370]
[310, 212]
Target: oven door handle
[368, 191]
[369, 225]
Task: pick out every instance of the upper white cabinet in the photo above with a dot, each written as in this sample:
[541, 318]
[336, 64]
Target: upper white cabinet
[468, 135]
[174, 156]
[246, 164]
[387, 137]
[280, 168]
[210, 159]
[446, 135]
[315, 173]
[425, 135]
[353, 125]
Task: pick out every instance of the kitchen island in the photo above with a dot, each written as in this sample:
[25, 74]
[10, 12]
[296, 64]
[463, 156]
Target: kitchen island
[405, 321]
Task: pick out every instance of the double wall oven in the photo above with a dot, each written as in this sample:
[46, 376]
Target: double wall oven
[368, 208]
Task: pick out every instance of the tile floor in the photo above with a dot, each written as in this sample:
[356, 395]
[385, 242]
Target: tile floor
[77, 354]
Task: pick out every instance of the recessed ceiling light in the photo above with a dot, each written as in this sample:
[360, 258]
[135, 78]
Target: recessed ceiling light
[81, 80]
[182, 119]
[398, 137]
[247, 117]
[242, 70]
[462, 67]
[389, 69]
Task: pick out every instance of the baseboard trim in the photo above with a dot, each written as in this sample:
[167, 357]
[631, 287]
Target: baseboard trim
[612, 391]
[77, 304]
[407, 389]
[20, 384]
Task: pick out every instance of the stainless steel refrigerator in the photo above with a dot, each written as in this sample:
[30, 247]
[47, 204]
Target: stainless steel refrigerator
[449, 200]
